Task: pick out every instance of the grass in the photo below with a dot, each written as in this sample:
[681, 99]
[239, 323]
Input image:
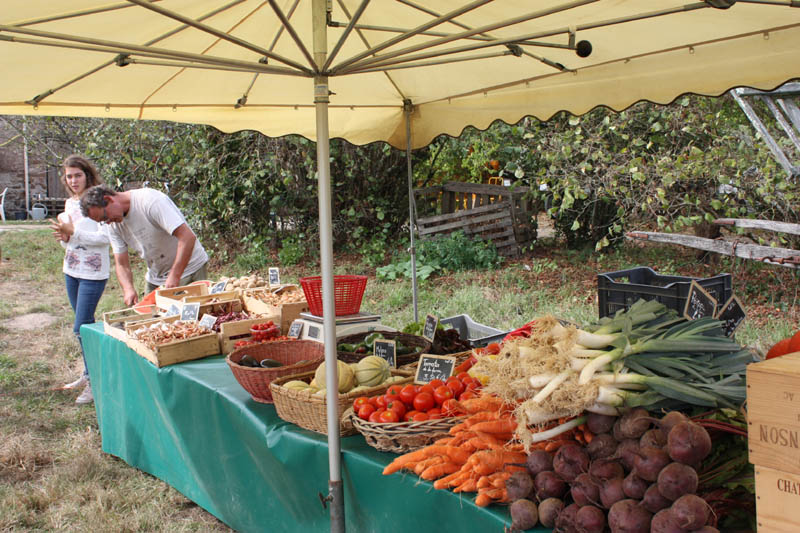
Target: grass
[53, 473]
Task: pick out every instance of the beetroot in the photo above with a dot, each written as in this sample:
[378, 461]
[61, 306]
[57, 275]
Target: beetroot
[584, 490]
[653, 501]
[688, 443]
[598, 424]
[664, 522]
[677, 479]
[548, 484]
[603, 445]
[606, 468]
[634, 487]
[690, 511]
[549, 510]
[634, 423]
[706, 529]
[648, 462]
[524, 515]
[669, 420]
[611, 492]
[627, 516]
[653, 438]
[570, 460]
[519, 485]
[626, 452]
[566, 518]
[538, 461]
[590, 519]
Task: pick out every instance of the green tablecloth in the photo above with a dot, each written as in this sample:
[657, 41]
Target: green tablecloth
[193, 426]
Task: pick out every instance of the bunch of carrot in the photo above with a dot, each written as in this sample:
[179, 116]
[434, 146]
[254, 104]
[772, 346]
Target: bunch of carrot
[479, 455]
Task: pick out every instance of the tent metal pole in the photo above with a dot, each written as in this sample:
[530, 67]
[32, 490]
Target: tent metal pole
[408, 108]
[321, 99]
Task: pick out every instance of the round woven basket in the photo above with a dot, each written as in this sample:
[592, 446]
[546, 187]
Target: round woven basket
[296, 356]
[401, 437]
[421, 344]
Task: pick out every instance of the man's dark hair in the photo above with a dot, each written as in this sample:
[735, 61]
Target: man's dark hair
[95, 197]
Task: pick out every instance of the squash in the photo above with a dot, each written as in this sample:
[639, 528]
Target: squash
[347, 378]
[296, 384]
[372, 371]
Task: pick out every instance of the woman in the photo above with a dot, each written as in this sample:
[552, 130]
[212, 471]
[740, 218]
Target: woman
[86, 263]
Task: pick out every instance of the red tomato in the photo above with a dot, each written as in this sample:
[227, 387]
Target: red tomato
[455, 385]
[366, 411]
[398, 407]
[409, 414]
[420, 417]
[389, 416]
[407, 394]
[373, 401]
[360, 402]
[393, 392]
[436, 383]
[475, 385]
[381, 401]
[467, 395]
[440, 394]
[375, 416]
[493, 348]
[426, 388]
[450, 408]
[463, 376]
[434, 414]
[467, 380]
[424, 401]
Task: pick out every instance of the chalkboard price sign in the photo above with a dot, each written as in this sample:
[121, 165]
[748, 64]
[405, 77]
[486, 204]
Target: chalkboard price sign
[699, 303]
[731, 314]
[386, 349]
[429, 330]
[208, 320]
[274, 276]
[295, 329]
[218, 287]
[190, 312]
[432, 367]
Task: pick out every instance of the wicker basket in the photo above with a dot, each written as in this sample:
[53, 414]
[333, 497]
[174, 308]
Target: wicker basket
[401, 437]
[310, 412]
[422, 344]
[296, 356]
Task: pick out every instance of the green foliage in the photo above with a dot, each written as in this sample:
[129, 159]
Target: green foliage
[293, 250]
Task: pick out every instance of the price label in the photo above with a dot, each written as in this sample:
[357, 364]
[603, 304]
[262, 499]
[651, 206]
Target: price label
[429, 330]
[313, 332]
[432, 367]
[699, 303]
[731, 314]
[208, 320]
[173, 310]
[295, 330]
[386, 349]
[274, 276]
[218, 287]
[190, 312]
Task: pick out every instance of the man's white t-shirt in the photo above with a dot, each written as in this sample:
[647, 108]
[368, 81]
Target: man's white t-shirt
[147, 229]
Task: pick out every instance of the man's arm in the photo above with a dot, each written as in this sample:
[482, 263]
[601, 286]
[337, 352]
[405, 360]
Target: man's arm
[122, 265]
[186, 240]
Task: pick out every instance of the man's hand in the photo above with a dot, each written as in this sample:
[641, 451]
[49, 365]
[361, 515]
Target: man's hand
[130, 297]
[171, 281]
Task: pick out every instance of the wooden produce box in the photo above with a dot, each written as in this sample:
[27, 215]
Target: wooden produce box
[115, 323]
[221, 307]
[288, 312]
[176, 351]
[777, 500]
[231, 332]
[773, 413]
[167, 297]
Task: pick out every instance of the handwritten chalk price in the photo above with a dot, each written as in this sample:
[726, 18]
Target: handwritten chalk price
[429, 330]
[731, 314]
[386, 349]
[432, 367]
[699, 303]
[295, 329]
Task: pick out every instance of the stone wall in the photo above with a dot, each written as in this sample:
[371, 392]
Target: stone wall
[12, 171]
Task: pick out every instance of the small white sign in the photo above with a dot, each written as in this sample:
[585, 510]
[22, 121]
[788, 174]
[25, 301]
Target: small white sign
[173, 310]
[190, 312]
[274, 276]
[218, 287]
[208, 321]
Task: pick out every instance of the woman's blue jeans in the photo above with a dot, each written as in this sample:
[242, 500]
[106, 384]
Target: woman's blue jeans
[83, 297]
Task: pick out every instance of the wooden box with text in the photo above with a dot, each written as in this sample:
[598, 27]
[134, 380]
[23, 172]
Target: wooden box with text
[116, 323]
[167, 297]
[288, 312]
[777, 500]
[173, 352]
[773, 413]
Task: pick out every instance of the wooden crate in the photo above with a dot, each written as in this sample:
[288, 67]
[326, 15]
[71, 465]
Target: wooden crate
[167, 297]
[221, 307]
[205, 298]
[773, 413]
[288, 312]
[777, 499]
[116, 322]
[231, 332]
[493, 222]
[177, 351]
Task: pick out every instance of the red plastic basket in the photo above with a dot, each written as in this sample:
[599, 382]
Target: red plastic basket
[348, 292]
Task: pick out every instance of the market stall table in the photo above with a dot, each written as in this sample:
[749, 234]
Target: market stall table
[193, 426]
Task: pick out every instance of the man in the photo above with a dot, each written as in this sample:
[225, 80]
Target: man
[149, 222]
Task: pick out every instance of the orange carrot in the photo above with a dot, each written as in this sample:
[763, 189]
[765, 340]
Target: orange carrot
[446, 440]
[424, 464]
[444, 482]
[482, 500]
[469, 485]
[499, 495]
[439, 470]
[498, 479]
[502, 426]
[485, 402]
[489, 461]
[554, 445]
[458, 428]
[482, 416]
[456, 454]
[588, 436]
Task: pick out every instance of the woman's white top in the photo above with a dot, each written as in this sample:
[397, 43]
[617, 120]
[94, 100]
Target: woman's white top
[87, 250]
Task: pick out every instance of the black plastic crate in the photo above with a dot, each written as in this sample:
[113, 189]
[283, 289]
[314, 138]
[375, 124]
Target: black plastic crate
[619, 290]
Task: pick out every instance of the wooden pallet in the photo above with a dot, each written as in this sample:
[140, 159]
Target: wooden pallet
[493, 222]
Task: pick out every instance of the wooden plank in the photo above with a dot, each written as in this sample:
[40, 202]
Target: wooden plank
[480, 188]
[460, 214]
[769, 225]
[773, 146]
[460, 223]
[766, 254]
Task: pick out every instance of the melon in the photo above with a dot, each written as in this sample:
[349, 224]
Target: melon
[347, 379]
[296, 384]
[372, 371]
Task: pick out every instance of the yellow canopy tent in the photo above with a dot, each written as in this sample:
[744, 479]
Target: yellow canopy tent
[400, 71]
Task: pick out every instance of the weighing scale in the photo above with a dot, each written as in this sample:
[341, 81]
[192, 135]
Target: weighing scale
[345, 325]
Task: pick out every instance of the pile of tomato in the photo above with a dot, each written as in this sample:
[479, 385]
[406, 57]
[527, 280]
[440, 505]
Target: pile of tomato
[265, 331]
[416, 403]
